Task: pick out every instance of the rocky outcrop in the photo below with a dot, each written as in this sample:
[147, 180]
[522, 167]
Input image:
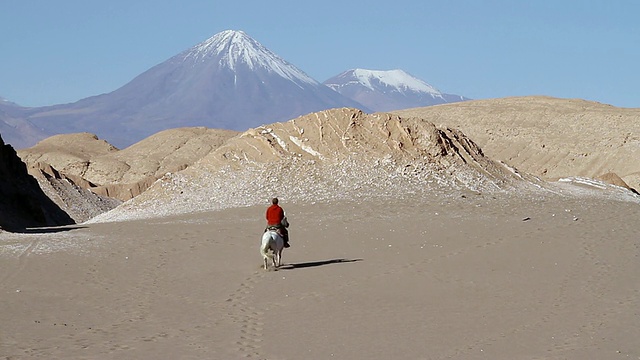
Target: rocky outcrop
[23, 204]
[333, 136]
[71, 193]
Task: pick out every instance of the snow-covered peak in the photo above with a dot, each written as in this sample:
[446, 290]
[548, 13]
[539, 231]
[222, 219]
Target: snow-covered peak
[231, 48]
[393, 78]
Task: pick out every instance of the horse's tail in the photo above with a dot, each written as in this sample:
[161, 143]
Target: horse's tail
[264, 248]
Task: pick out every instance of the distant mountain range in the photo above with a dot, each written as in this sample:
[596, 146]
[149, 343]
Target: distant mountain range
[229, 81]
[15, 128]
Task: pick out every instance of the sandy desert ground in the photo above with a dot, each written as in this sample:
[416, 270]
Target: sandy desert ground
[533, 276]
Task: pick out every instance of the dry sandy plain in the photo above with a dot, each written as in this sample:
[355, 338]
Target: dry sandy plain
[476, 277]
[392, 257]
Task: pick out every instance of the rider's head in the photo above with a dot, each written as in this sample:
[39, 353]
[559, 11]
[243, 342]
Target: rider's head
[274, 201]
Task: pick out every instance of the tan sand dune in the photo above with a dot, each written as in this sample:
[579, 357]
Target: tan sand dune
[549, 137]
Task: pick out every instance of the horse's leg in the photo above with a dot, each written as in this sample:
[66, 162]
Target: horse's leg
[273, 258]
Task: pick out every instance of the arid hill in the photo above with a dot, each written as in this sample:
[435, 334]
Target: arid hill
[122, 174]
[548, 137]
[334, 154]
[85, 162]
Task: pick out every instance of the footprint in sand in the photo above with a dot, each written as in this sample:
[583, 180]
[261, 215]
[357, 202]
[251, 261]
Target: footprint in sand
[247, 319]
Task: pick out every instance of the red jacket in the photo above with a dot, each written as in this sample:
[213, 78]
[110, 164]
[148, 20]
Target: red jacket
[275, 214]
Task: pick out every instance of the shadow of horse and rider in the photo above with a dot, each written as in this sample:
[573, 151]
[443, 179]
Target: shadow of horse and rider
[311, 264]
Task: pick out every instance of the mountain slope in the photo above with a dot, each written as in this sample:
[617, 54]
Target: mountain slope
[388, 90]
[229, 81]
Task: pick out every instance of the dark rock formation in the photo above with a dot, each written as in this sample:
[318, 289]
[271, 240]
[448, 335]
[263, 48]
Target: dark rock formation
[23, 204]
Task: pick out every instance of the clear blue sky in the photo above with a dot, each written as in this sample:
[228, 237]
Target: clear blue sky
[55, 52]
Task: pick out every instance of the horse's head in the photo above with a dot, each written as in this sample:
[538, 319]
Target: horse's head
[285, 222]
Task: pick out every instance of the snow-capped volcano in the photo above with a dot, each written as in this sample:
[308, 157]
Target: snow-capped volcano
[229, 81]
[235, 48]
[388, 90]
[394, 80]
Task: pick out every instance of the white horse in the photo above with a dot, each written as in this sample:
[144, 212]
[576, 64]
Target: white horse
[271, 248]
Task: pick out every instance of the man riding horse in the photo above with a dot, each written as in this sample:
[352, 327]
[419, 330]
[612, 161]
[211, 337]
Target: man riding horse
[275, 216]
